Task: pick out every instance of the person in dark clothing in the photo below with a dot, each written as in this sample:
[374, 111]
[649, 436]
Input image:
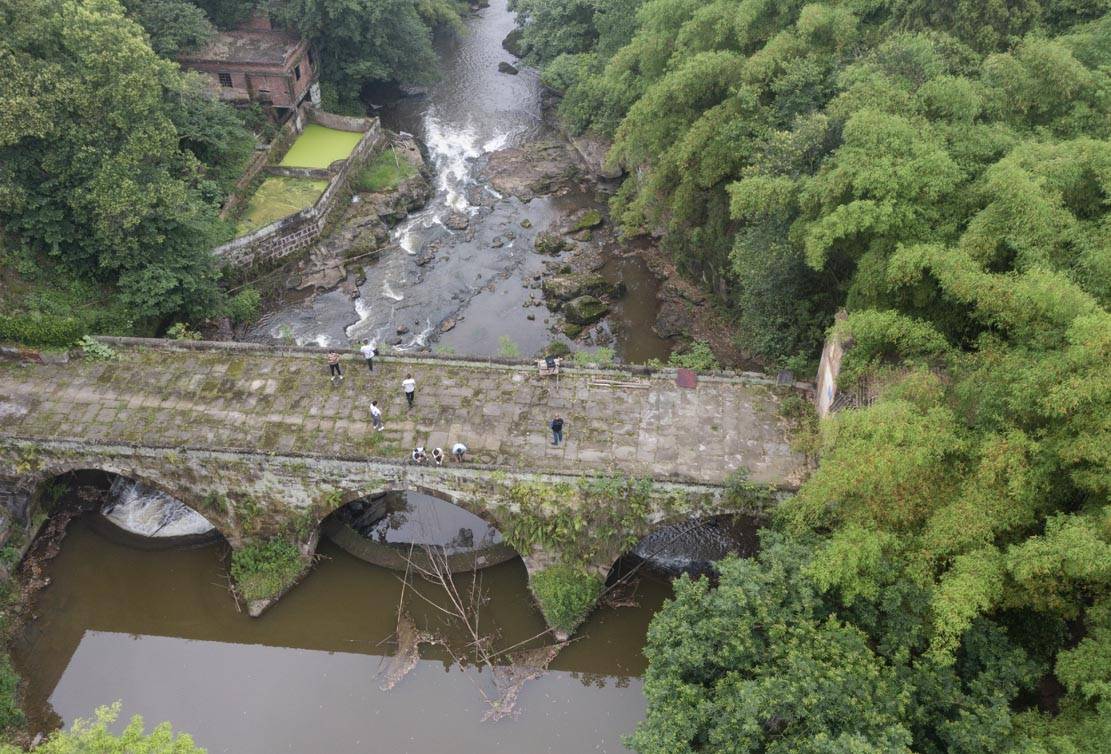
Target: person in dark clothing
[557, 430]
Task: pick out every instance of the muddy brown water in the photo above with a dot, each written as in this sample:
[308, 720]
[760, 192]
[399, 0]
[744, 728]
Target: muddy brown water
[159, 631]
[482, 279]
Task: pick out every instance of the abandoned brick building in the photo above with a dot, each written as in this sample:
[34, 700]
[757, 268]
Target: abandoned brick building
[257, 63]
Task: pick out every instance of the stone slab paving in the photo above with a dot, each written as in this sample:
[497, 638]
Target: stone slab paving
[271, 401]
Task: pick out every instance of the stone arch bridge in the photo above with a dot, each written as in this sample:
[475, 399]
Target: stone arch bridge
[258, 440]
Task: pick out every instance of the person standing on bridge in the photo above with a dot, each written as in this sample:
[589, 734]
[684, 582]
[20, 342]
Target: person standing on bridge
[557, 430]
[376, 416]
[333, 366]
[409, 385]
[369, 352]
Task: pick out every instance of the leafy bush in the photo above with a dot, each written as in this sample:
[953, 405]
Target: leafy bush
[94, 350]
[244, 306]
[39, 330]
[384, 172]
[566, 595]
[697, 356]
[11, 714]
[263, 569]
[182, 331]
[94, 735]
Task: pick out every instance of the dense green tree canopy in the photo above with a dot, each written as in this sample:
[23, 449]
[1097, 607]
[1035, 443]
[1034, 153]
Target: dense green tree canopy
[111, 160]
[942, 170]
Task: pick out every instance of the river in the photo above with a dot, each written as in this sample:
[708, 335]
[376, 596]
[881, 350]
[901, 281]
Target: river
[159, 631]
[484, 279]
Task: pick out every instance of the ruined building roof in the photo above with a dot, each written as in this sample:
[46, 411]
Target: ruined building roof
[247, 47]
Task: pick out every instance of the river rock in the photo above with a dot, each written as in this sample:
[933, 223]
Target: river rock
[567, 287]
[512, 43]
[584, 310]
[585, 220]
[509, 68]
[457, 221]
[447, 324]
[549, 244]
[526, 223]
[538, 168]
[497, 242]
[402, 329]
[674, 319]
[592, 150]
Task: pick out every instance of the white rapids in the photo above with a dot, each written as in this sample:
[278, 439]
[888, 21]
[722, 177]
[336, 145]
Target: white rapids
[150, 513]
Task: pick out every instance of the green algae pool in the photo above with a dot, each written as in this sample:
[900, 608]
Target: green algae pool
[277, 197]
[319, 146]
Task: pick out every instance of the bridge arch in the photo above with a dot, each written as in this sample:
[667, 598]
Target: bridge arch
[38, 487]
[464, 536]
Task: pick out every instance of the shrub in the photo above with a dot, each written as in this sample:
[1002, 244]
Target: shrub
[94, 350]
[42, 330]
[263, 569]
[244, 306]
[11, 714]
[566, 595]
[697, 356]
[95, 735]
[182, 331]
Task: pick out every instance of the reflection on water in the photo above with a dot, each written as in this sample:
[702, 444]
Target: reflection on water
[159, 631]
[419, 519]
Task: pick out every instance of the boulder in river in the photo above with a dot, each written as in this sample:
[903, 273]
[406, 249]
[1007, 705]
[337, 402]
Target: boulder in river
[457, 221]
[584, 310]
[567, 287]
[509, 68]
[512, 43]
[590, 218]
[549, 243]
[541, 167]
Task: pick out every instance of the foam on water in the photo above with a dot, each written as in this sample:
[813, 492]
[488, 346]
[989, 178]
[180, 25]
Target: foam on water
[140, 510]
[390, 293]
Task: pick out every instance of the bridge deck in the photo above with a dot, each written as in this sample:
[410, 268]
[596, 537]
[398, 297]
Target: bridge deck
[283, 402]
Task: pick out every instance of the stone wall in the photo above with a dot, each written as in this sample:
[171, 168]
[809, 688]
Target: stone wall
[298, 231]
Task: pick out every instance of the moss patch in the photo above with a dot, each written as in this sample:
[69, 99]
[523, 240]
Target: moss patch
[566, 595]
[383, 173]
[319, 146]
[277, 197]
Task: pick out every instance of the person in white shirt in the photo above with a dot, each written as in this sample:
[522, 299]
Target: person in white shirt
[409, 385]
[369, 351]
[418, 455]
[376, 416]
[438, 456]
[457, 451]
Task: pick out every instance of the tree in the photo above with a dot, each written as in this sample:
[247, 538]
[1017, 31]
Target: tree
[93, 736]
[173, 25]
[92, 165]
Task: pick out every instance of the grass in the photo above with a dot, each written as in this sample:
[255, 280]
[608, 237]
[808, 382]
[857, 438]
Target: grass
[383, 172]
[263, 569]
[277, 197]
[319, 146]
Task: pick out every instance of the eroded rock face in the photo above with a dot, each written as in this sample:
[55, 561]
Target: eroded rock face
[542, 167]
[567, 287]
[584, 310]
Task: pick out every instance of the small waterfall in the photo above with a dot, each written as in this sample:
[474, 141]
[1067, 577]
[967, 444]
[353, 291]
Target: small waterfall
[141, 510]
